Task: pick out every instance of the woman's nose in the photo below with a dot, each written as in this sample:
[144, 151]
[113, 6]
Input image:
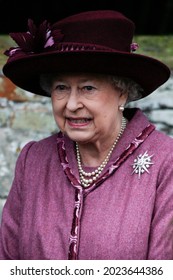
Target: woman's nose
[74, 101]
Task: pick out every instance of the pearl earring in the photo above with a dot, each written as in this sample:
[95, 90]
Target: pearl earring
[121, 108]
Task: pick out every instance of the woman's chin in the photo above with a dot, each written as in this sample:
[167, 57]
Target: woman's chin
[79, 137]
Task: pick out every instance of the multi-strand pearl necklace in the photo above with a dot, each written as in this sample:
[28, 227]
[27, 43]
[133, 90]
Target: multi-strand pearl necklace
[88, 178]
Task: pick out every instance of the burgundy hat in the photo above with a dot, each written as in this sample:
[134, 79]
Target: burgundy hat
[93, 42]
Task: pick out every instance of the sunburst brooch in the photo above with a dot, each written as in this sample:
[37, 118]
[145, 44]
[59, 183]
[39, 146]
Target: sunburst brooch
[141, 164]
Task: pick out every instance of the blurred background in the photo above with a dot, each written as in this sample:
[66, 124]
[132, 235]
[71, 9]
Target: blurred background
[25, 117]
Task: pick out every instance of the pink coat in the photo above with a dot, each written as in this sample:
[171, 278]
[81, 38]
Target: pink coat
[127, 214]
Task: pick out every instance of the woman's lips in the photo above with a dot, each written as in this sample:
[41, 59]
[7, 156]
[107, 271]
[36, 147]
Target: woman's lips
[78, 122]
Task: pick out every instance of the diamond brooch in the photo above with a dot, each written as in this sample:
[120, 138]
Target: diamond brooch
[141, 164]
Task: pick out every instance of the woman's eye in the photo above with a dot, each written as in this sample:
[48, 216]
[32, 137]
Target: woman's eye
[61, 87]
[88, 88]
[60, 91]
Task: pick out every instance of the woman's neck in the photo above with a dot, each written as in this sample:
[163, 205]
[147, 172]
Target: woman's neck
[93, 154]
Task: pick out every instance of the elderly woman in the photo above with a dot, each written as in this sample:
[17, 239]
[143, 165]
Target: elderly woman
[102, 187]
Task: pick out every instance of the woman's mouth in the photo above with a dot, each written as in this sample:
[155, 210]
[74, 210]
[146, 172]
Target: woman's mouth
[78, 122]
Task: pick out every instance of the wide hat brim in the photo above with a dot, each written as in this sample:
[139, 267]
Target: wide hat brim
[25, 72]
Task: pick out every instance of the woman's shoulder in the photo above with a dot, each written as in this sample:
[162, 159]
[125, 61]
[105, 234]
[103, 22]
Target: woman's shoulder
[42, 142]
[162, 138]
[139, 121]
[42, 148]
[50, 140]
[161, 144]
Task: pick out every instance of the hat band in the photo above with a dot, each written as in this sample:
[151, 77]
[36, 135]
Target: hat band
[72, 47]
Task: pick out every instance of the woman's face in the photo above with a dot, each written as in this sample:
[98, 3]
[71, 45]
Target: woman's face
[85, 106]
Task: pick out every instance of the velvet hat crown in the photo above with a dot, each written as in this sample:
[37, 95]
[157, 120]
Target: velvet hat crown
[93, 42]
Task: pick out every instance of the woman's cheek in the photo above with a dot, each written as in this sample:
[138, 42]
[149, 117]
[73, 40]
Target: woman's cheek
[60, 121]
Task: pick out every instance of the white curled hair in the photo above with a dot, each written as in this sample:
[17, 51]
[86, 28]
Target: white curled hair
[125, 85]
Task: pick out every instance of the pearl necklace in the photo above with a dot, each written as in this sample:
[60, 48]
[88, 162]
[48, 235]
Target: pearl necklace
[92, 176]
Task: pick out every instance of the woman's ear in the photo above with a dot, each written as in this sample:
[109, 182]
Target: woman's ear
[123, 98]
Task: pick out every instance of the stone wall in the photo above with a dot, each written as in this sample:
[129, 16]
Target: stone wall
[25, 117]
